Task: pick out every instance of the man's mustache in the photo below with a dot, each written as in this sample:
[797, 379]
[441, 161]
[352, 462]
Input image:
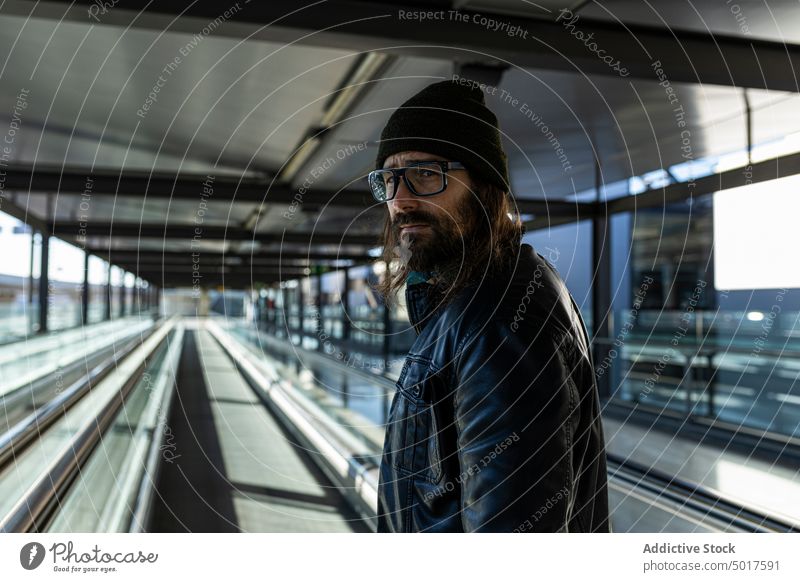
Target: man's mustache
[414, 217]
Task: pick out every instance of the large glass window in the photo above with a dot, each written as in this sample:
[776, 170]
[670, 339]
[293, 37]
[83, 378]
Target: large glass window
[227, 302]
[333, 288]
[754, 227]
[98, 279]
[19, 279]
[569, 249]
[116, 284]
[65, 276]
[279, 314]
[366, 308]
[290, 309]
[402, 333]
[264, 309]
[129, 281]
[705, 310]
[311, 314]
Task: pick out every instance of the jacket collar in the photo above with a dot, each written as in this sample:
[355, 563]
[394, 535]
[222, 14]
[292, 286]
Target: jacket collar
[415, 277]
[419, 300]
[418, 303]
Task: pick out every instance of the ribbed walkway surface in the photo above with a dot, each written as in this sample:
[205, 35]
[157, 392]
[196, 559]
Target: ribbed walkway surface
[233, 467]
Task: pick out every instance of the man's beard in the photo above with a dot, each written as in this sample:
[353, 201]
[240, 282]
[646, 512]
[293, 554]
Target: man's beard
[440, 247]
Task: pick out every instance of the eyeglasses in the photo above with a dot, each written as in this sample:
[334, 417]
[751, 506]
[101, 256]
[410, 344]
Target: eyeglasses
[422, 178]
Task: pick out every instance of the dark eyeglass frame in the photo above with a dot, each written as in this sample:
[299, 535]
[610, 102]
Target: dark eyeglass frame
[398, 173]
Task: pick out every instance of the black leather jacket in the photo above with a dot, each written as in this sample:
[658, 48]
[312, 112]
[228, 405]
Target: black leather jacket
[495, 424]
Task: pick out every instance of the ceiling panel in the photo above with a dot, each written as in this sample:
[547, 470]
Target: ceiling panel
[225, 102]
[633, 125]
[129, 209]
[348, 151]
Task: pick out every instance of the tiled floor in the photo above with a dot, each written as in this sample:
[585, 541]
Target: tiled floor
[772, 489]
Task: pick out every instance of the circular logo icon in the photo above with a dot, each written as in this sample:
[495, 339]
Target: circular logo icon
[31, 555]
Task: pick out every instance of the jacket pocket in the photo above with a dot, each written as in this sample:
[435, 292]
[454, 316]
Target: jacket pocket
[413, 431]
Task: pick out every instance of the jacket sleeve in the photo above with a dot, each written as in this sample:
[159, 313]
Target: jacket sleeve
[512, 415]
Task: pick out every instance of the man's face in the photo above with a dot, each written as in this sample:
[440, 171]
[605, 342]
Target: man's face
[430, 229]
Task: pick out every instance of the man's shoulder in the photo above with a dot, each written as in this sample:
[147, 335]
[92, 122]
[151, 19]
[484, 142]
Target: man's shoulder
[529, 304]
[530, 289]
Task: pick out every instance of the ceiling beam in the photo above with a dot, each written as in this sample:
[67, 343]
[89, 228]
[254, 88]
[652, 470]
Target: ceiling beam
[198, 187]
[780, 167]
[658, 198]
[189, 232]
[111, 182]
[227, 282]
[209, 278]
[542, 222]
[560, 42]
[170, 257]
[208, 271]
[217, 265]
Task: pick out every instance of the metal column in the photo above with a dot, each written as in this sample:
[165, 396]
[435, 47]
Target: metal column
[44, 282]
[387, 328]
[85, 291]
[601, 286]
[122, 298]
[107, 297]
[320, 321]
[346, 307]
[300, 309]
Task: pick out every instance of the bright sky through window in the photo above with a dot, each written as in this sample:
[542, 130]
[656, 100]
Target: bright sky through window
[756, 235]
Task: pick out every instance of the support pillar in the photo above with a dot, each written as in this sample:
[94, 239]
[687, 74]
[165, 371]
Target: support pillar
[107, 298]
[85, 291]
[601, 287]
[44, 283]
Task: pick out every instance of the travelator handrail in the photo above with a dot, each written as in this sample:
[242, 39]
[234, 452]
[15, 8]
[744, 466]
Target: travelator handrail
[703, 412]
[696, 497]
[100, 361]
[39, 344]
[33, 509]
[13, 441]
[382, 379]
[689, 349]
[131, 509]
[340, 455]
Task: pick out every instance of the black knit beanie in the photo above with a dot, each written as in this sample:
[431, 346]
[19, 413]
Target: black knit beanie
[448, 119]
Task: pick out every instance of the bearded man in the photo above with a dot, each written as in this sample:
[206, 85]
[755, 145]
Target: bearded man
[495, 424]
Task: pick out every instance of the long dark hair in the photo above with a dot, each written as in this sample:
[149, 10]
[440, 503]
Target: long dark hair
[491, 246]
